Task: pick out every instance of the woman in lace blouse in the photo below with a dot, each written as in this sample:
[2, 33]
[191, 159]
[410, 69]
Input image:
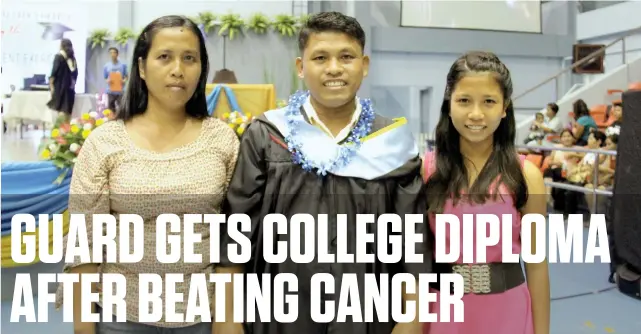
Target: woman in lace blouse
[163, 154]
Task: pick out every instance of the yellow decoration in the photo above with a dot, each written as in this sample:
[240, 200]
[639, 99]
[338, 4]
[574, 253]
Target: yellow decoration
[75, 129]
[253, 100]
[85, 133]
[85, 117]
[55, 133]
[7, 261]
[45, 154]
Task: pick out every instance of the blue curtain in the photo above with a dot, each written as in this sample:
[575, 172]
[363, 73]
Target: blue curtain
[28, 187]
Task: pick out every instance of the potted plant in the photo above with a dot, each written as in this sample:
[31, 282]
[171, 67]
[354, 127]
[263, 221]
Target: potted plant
[258, 24]
[99, 37]
[123, 36]
[207, 20]
[231, 25]
[285, 25]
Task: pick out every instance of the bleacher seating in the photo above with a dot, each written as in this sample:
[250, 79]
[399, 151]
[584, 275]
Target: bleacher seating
[601, 115]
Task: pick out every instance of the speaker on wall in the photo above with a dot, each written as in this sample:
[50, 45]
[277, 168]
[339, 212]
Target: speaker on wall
[626, 226]
[592, 66]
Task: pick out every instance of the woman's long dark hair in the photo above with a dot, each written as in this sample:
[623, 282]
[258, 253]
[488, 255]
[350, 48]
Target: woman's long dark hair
[580, 109]
[67, 47]
[450, 177]
[136, 95]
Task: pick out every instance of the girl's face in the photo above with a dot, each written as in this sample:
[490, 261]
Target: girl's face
[567, 139]
[539, 117]
[610, 145]
[477, 107]
[592, 142]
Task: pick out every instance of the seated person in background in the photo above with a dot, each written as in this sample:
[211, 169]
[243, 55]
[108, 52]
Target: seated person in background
[558, 161]
[551, 126]
[605, 179]
[536, 131]
[583, 123]
[614, 120]
[579, 174]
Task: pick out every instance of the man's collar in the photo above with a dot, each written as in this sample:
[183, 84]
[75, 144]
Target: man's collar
[316, 121]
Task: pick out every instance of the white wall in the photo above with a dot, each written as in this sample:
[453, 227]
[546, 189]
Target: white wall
[146, 11]
[107, 14]
[430, 71]
[614, 54]
[610, 20]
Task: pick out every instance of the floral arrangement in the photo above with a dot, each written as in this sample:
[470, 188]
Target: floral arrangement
[237, 121]
[67, 138]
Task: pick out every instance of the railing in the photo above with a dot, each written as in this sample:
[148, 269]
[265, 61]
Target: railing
[581, 62]
[595, 176]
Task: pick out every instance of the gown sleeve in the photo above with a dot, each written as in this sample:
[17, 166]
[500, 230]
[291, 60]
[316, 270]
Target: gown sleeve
[58, 61]
[246, 188]
[411, 199]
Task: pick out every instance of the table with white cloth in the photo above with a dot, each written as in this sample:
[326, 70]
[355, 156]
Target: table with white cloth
[30, 107]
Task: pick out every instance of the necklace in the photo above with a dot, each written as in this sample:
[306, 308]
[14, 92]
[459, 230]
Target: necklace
[346, 152]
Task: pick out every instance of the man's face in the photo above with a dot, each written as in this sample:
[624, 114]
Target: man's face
[114, 54]
[333, 67]
[550, 113]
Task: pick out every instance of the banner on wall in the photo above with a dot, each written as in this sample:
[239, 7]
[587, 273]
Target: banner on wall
[31, 35]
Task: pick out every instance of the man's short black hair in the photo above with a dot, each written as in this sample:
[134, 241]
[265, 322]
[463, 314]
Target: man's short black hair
[554, 107]
[331, 22]
[115, 49]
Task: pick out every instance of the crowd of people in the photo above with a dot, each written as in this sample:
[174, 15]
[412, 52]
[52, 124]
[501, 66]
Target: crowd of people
[577, 168]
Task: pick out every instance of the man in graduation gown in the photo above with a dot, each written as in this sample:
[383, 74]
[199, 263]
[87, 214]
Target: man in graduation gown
[327, 152]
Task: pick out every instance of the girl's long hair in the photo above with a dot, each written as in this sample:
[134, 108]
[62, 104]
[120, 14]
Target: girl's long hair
[450, 177]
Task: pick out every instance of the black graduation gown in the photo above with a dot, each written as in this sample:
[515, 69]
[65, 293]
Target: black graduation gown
[64, 82]
[267, 181]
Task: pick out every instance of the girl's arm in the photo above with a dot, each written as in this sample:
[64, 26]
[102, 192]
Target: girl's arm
[538, 279]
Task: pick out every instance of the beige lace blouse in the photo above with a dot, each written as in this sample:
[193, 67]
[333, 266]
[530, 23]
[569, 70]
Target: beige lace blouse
[113, 175]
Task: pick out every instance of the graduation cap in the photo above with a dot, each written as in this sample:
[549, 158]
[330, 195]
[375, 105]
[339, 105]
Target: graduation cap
[54, 31]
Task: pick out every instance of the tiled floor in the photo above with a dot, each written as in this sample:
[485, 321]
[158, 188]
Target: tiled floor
[25, 149]
[579, 305]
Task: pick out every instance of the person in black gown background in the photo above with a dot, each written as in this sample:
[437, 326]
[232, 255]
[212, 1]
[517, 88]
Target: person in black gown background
[62, 81]
[382, 176]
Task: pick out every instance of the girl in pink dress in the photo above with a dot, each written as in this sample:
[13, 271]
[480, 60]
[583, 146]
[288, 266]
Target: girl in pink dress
[475, 169]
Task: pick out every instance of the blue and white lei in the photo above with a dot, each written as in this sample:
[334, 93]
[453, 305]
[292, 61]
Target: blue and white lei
[346, 152]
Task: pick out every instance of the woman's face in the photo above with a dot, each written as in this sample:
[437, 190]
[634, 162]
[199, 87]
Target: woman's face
[477, 107]
[172, 69]
[617, 112]
[567, 139]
